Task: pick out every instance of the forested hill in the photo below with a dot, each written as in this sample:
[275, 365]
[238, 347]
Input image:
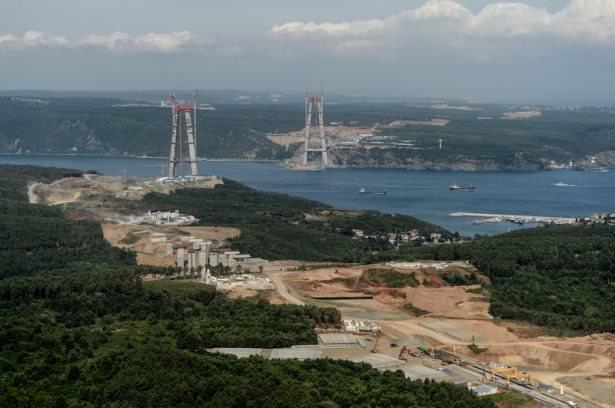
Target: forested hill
[79, 328]
[558, 276]
[35, 238]
[103, 126]
[475, 136]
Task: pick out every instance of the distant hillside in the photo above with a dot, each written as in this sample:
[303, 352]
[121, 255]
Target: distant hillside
[491, 138]
[95, 126]
[474, 137]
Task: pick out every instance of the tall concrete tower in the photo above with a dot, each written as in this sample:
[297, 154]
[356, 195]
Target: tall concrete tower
[176, 157]
[314, 107]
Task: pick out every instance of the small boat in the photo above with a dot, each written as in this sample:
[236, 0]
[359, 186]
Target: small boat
[456, 187]
[364, 191]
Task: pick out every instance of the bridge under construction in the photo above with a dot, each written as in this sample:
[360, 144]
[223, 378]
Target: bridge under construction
[314, 108]
[177, 156]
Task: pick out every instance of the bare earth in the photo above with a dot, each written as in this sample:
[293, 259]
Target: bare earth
[95, 188]
[584, 365]
[148, 253]
[432, 122]
[335, 134]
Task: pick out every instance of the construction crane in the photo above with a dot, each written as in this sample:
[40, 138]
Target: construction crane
[511, 374]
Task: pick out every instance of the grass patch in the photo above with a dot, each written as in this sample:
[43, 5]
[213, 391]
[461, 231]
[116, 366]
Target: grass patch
[350, 282]
[476, 350]
[512, 399]
[398, 294]
[389, 278]
[130, 239]
[476, 291]
[457, 279]
[415, 310]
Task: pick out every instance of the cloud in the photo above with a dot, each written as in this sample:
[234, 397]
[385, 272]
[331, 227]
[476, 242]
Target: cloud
[32, 39]
[448, 23]
[333, 29]
[119, 43]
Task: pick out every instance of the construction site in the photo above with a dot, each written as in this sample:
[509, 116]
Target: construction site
[318, 144]
[404, 316]
[398, 316]
[443, 332]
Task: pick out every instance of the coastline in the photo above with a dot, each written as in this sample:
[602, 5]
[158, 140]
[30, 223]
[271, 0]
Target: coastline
[130, 156]
[294, 167]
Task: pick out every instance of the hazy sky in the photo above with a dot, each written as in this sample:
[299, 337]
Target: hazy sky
[560, 51]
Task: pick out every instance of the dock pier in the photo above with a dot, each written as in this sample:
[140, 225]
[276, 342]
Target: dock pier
[516, 219]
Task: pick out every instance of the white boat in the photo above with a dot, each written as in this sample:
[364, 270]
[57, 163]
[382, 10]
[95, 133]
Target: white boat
[365, 191]
[456, 187]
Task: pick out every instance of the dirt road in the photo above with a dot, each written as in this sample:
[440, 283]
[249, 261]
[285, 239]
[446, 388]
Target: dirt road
[32, 196]
[284, 290]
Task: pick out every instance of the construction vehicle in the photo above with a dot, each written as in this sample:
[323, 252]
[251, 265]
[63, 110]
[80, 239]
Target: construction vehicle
[375, 347]
[425, 350]
[443, 347]
[407, 352]
[511, 374]
[440, 352]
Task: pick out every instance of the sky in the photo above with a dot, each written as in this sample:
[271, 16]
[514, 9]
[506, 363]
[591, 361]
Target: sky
[532, 51]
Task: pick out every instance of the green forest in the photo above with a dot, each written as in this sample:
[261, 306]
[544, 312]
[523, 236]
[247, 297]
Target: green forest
[562, 277]
[81, 329]
[511, 144]
[475, 133]
[275, 226]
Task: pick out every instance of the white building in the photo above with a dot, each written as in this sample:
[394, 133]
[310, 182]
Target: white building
[482, 390]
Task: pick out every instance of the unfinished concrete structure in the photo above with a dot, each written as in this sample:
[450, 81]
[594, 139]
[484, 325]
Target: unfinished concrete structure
[314, 107]
[195, 256]
[177, 155]
[192, 257]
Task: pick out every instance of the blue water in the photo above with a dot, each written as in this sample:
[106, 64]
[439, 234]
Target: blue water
[423, 194]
